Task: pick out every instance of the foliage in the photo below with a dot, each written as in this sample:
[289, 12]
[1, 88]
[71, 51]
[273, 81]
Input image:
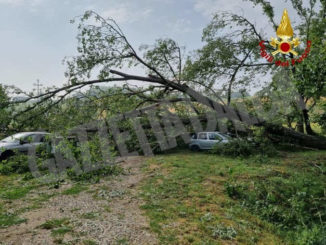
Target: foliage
[15, 164]
[230, 48]
[244, 147]
[319, 115]
[235, 148]
[4, 111]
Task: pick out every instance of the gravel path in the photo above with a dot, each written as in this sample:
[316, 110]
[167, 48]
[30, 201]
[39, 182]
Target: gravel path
[106, 213]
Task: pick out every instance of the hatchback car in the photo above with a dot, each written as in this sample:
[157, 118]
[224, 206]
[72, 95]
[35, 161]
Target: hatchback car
[20, 142]
[207, 140]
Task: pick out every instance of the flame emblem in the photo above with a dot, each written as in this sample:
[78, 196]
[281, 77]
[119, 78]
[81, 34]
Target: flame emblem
[285, 33]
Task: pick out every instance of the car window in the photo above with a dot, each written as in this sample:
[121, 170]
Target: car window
[226, 136]
[40, 138]
[29, 138]
[14, 138]
[214, 136]
[194, 136]
[202, 136]
[33, 138]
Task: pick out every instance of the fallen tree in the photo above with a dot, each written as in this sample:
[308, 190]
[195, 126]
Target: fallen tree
[104, 46]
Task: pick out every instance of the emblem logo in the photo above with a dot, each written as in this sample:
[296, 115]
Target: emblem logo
[285, 33]
[285, 44]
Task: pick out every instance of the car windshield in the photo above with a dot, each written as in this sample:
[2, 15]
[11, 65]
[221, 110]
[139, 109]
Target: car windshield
[226, 136]
[14, 138]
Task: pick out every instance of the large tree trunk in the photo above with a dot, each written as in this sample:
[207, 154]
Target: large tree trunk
[306, 119]
[224, 111]
[300, 126]
[291, 136]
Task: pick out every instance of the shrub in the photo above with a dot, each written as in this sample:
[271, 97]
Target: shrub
[235, 148]
[259, 144]
[15, 164]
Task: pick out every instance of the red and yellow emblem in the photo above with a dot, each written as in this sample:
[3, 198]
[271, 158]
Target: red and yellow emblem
[284, 42]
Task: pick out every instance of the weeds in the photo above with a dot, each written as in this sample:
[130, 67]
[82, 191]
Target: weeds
[223, 232]
[75, 190]
[15, 192]
[54, 223]
[9, 219]
[58, 227]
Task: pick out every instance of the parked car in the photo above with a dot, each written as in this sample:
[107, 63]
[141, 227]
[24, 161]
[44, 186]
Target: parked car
[20, 142]
[207, 140]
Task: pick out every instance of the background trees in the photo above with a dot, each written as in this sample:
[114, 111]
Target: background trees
[230, 56]
[4, 112]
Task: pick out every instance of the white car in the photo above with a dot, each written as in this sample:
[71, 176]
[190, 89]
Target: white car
[207, 140]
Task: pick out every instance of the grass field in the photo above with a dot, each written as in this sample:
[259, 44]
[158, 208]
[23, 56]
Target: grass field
[200, 198]
[188, 198]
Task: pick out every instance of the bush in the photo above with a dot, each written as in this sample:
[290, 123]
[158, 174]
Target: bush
[235, 148]
[244, 148]
[15, 164]
[258, 144]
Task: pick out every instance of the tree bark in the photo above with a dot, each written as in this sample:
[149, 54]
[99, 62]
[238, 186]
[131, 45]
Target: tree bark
[300, 126]
[306, 119]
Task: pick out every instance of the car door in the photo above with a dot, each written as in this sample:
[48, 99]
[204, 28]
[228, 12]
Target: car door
[225, 138]
[27, 142]
[38, 139]
[213, 139]
[203, 140]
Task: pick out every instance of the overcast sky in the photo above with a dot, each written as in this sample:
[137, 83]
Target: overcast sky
[36, 34]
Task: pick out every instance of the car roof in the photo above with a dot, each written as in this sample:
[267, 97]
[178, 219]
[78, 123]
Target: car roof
[210, 132]
[36, 132]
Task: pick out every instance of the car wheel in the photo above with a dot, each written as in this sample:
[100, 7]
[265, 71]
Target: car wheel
[6, 155]
[195, 148]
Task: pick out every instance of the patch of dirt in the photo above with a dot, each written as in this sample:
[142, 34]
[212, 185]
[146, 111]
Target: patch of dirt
[106, 213]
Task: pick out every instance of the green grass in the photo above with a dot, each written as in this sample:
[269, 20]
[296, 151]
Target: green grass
[58, 227]
[15, 192]
[61, 231]
[75, 190]
[90, 215]
[193, 198]
[89, 242]
[13, 188]
[7, 219]
[54, 223]
[122, 241]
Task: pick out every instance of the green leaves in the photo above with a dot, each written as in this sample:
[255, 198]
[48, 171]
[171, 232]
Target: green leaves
[101, 46]
[166, 56]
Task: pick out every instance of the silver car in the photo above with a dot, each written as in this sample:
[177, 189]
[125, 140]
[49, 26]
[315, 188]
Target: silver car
[20, 142]
[207, 140]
